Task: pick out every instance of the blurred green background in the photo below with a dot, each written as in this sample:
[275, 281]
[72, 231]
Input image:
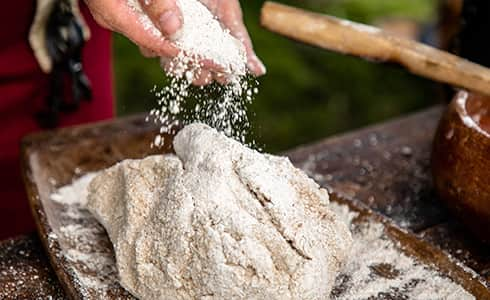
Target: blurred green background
[308, 93]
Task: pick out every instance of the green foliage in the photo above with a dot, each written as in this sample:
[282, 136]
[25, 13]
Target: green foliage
[307, 93]
[367, 11]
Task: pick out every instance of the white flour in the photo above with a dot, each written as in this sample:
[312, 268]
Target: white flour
[375, 266]
[465, 117]
[356, 279]
[223, 107]
[143, 18]
[201, 37]
[218, 221]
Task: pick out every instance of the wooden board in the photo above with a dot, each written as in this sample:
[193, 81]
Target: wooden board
[25, 272]
[386, 167]
[55, 159]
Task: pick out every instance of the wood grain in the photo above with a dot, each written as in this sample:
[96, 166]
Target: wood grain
[25, 272]
[360, 40]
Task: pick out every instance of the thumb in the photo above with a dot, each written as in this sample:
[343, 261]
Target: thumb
[123, 18]
[165, 15]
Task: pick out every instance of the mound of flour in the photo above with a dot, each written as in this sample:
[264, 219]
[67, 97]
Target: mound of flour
[218, 221]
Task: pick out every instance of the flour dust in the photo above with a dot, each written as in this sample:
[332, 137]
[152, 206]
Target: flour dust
[203, 40]
[376, 267]
[223, 107]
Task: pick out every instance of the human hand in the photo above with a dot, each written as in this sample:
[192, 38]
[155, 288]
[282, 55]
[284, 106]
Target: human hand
[166, 17]
[121, 16]
[229, 13]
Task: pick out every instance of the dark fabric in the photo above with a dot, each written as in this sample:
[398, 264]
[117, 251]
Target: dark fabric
[23, 89]
[473, 39]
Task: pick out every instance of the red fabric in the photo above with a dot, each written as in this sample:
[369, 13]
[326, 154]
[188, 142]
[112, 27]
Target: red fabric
[23, 88]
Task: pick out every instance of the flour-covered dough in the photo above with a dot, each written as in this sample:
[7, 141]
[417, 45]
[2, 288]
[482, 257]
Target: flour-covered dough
[218, 221]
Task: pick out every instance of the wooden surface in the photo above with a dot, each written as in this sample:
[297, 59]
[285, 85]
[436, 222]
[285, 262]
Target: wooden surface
[25, 272]
[369, 42]
[385, 168]
[54, 159]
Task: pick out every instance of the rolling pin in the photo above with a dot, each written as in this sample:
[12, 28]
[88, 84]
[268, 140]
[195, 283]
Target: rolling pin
[372, 43]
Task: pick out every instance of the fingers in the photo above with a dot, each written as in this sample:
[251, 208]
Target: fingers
[122, 18]
[154, 44]
[147, 52]
[165, 15]
[220, 78]
[231, 16]
[203, 78]
[254, 64]
[211, 65]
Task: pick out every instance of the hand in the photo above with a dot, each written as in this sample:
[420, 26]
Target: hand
[119, 16]
[229, 14]
[165, 15]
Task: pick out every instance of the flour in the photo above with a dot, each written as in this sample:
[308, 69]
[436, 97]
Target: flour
[462, 97]
[372, 253]
[201, 37]
[143, 18]
[72, 194]
[224, 107]
[83, 242]
[376, 266]
[218, 221]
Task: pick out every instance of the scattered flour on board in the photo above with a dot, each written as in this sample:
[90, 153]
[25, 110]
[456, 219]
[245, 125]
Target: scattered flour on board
[375, 266]
[83, 242]
[224, 107]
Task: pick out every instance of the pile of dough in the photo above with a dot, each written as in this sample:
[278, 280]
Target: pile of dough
[218, 221]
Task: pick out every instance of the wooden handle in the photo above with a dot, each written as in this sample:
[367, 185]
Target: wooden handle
[372, 43]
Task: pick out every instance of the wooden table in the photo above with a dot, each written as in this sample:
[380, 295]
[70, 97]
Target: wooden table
[385, 167]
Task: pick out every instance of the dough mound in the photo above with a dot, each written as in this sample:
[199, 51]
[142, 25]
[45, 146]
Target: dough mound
[218, 221]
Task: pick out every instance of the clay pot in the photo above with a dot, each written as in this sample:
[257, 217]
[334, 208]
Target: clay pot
[461, 161]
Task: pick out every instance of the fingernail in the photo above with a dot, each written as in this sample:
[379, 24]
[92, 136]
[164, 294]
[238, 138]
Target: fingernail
[256, 65]
[170, 22]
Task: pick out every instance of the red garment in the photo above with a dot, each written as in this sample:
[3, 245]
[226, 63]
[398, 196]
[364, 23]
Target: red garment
[23, 89]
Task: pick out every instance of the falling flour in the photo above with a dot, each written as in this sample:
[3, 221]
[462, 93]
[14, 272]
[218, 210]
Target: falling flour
[224, 107]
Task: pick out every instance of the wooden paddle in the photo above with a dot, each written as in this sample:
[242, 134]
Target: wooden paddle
[372, 43]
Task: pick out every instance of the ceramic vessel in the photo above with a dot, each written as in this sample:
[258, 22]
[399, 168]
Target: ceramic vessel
[461, 161]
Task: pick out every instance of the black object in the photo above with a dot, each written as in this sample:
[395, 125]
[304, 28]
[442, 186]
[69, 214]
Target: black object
[64, 40]
[473, 42]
